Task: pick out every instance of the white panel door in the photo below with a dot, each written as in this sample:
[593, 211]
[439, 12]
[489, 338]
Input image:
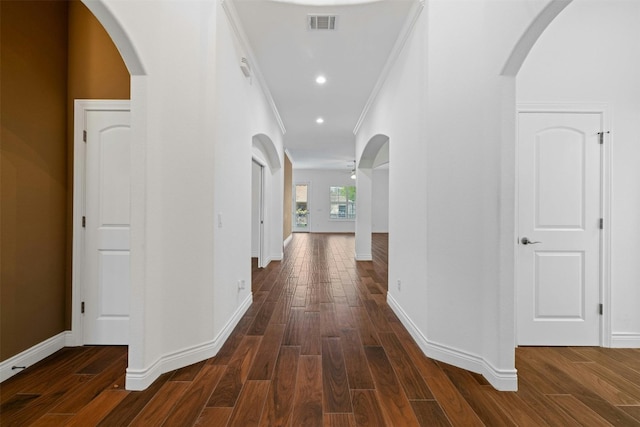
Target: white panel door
[107, 210]
[559, 166]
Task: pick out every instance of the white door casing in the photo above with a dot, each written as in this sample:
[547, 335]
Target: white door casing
[560, 206]
[258, 202]
[102, 210]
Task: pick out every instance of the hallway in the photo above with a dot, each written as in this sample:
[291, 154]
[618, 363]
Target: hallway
[320, 346]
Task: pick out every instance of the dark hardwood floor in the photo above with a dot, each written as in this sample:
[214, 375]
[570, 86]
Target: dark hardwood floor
[320, 346]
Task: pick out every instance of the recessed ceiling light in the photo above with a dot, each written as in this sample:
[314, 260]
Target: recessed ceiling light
[321, 80]
[319, 120]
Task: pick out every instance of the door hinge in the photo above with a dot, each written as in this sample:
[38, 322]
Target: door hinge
[600, 309]
[84, 135]
[82, 307]
[601, 135]
[84, 221]
[601, 223]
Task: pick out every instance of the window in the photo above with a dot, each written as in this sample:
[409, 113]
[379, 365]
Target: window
[343, 202]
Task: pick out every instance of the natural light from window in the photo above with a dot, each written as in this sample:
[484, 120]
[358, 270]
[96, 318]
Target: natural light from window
[343, 202]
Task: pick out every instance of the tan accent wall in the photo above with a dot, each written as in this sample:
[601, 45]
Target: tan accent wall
[288, 197]
[96, 71]
[52, 52]
[34, 172]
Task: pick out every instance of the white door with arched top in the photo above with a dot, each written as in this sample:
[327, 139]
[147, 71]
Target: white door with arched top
[559, 208]
[106, 223]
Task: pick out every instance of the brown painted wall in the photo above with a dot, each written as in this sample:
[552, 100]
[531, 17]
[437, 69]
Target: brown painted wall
[96, 71]
[34, 172]
[288, 198]
[52, 52]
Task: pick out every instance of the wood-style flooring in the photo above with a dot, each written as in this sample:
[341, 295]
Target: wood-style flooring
[320, 346]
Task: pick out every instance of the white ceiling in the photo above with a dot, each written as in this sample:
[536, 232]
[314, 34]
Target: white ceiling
[352, 58]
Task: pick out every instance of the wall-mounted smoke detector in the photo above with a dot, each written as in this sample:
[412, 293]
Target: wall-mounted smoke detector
[244, 66]
[322, 22]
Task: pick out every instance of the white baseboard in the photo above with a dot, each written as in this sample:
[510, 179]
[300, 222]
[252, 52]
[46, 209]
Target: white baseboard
[288, 240]
[625, 340]
[364, 257]
[33, 355]
[501, 379]
[140, 379]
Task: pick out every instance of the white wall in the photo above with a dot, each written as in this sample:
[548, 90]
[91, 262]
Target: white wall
[591, 54]
[319, 182]
[193, 118]
[442, 107]
[380, 201]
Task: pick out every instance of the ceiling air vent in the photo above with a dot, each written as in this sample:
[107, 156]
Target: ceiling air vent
[322, 22]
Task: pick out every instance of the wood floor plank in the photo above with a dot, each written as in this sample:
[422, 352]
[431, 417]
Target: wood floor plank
[214, 417]
[133, 403]
[367, 332]
[92, 413]
[188, 408]
[43, 404]
[582, 413]
[159, 407]
[366, 409]
[515, 407]
[51, 420]
[38, 378]
[231, 345]
[339, 420]
[411, 380]
[250, 404]
[279, 404]
[486, 408]
[76, 399]
[295, 327]
[553, 415]
[336, 395]
[392, 397]
[265, 359]
[328, 320]
[228, 389]
[453, 403]
[429, 413]
[307, 406]
[355, 360]
[634, 411]
[311, 344]
[188, 373]
[103, 359]
[262, 319]
[602, 382]
[16, 404]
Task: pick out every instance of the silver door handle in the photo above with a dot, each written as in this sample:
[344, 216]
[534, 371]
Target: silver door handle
[526, 241]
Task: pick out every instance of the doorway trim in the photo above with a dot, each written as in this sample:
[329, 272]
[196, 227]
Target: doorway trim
[81, 107]
[605, 203]
[261, 210]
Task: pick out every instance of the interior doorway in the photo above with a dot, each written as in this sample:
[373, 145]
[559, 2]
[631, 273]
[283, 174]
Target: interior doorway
[101, 255]
[559, 227]
[257, 212]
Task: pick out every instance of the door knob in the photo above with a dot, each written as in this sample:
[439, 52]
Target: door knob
[526, 241]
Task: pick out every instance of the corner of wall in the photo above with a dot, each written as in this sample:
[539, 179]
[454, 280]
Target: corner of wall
[500, 379]
[140, 379]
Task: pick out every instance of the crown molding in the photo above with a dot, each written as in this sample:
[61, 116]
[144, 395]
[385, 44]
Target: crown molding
[401, 41]
[236, 26]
